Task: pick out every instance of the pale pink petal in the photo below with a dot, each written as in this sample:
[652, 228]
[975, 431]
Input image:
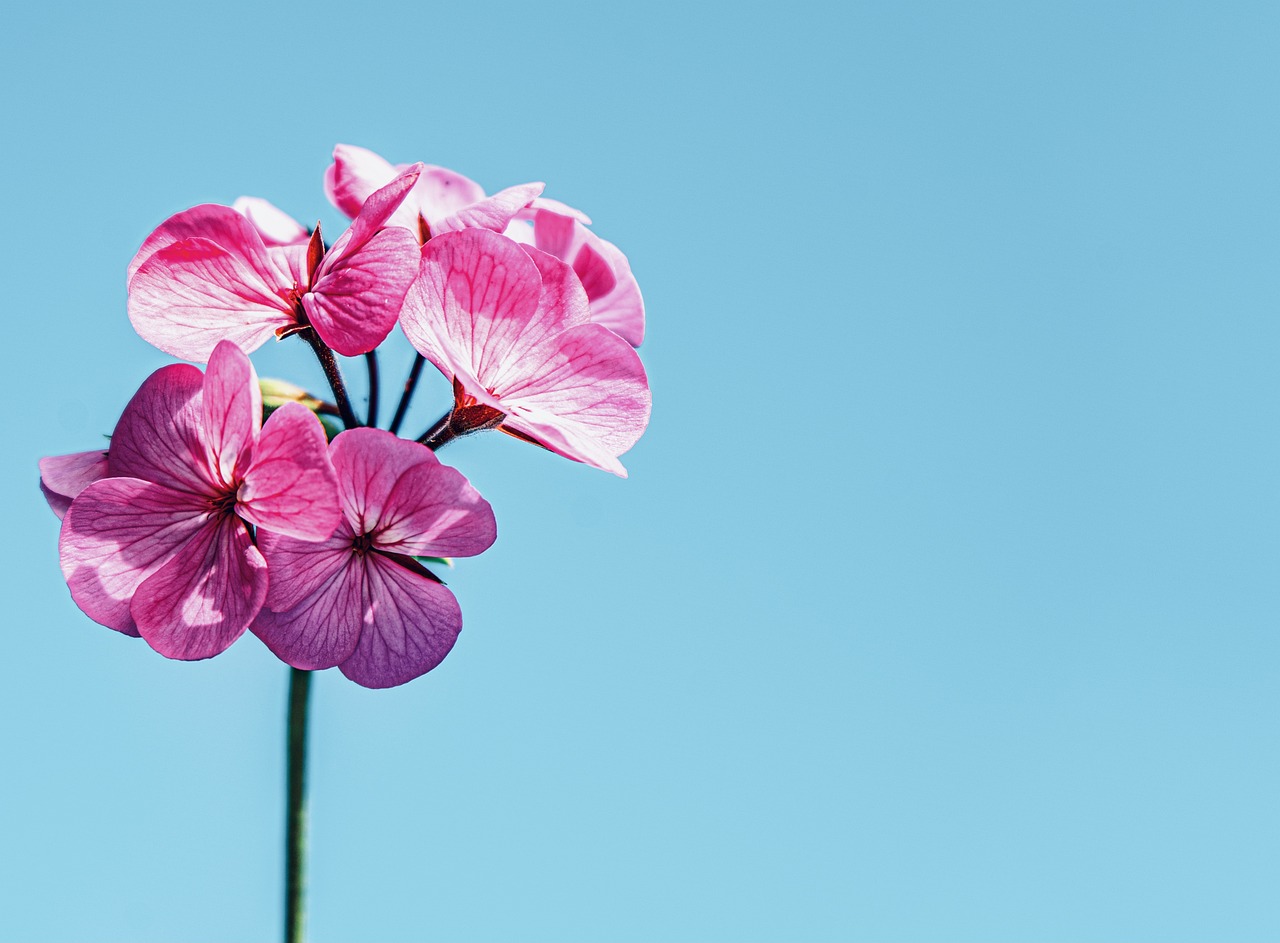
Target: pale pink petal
[357, 296]
[319, 629]
[117, 532]
[492, 213]
[189, 295]
[620, 309]
[274, 225]
[563, 209]
[204, 597]
[290, 486]
[434, 511]
[289, 266]
[441, 191]
[219, 224]
[584, 395]
[376, 212]
[354, 174]
[62, 477]
[159, 436]
[410, 623]
[232, 410]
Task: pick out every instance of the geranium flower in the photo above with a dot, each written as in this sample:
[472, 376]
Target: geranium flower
[600, 266]
[63, 477]
[360, 600]
[441, 201]
[274, 225]
[206, 275]
[163, 547]
[511, 326]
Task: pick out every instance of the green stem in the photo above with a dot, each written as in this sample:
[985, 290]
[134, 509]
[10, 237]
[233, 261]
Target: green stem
[295, 828]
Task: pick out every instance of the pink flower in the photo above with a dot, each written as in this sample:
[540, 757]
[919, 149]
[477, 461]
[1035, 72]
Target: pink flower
[360, 600]
[441, 201]
[163, 547]
[207, 275]
[62, 477]
[511, 326]
[274, 225]
[600, 266]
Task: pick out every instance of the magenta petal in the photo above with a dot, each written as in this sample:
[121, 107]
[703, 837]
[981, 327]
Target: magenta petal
[368, 463]
[301, 567]
[274, 225]
[232, 409]
[379, 208]
[356, 297]
[320, 629]
[290, 486]
[205, 596]
[492, 213]
[159, 436]
[354, 174]
[219, 224]
[116, 534]
[621, 308]
[192, 294]
[434, 511]
[410, 624]
[62, 477]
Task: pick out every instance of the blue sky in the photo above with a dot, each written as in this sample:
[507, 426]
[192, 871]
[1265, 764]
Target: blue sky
[940, 603]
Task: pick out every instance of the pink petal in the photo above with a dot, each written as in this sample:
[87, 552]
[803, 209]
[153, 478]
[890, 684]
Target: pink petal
[620, 309]
[274, 225]
[232, 409]
[159, 436]
[62, 477]
[290, 486]
[368, 463]
[491, 213]
[189, 295]
[117, 533]
[354, 174]
[594, 271]
[318, 629]
[584, 395]
[204, 597]
[300, 568]
[562, 209]
[377, 211]
[357, 295]
[410, 624]
[441, 191]
[219, 224]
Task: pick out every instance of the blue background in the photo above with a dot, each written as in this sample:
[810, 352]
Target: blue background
[941, 603]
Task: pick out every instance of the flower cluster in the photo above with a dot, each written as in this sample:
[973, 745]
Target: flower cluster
[215, 508]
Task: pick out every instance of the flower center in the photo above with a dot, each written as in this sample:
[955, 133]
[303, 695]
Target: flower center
[362, 544]
[224, 503]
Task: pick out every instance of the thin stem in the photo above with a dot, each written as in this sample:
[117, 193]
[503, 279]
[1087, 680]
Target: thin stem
[295, 827]
[332, 373]
[410, 385]
[371, 361]
[440, 434]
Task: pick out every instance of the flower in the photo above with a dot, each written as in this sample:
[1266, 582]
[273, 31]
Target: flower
[274, 225]
[360, 600]
[62, 477]
[511, 326]
[441, 201]
[163, 547]
[600, 266]
[207, 275]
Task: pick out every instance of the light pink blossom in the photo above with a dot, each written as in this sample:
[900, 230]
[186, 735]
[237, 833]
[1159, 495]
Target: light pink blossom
[360, 600]
[274, 225]
[63, 477]
[441, 201]
[600, 266]
[511, 326]
[162, 548]
[207, 275]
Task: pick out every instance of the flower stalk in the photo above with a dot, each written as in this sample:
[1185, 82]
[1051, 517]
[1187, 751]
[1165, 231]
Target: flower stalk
[332, 373]
[295, 843]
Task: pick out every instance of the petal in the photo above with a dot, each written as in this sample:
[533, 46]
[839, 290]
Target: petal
[491, 213]
[117, 533]
[274, 225]
[621, 309]
[300, 568]
[232, 409]
[219, 224]
[159, 436]
[290, 487]
[434, 511]
[189, 295]
[584, 395]
[205, 596]
[563, 209]
[62, 477]
[410, 623]
[378, 210]
[357, 296]
[354, 174]
[320, 629]
[368, 463]
[441, 191]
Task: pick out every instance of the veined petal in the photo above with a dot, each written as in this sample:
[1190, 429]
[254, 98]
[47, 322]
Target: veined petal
[377, 212]
[290, 485]
[232, 409]
[62, 477]
[204, 597]
[410, 623]
[434, 511]
[441, 191]
[354, 174]
[320, 629]
[620, 308]
[492, 213]
[189, 295]
[301, 567]
[117, 533]
[368, 463]
[357, 295]
[159, 436]
[219, 224]
[274, 225]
